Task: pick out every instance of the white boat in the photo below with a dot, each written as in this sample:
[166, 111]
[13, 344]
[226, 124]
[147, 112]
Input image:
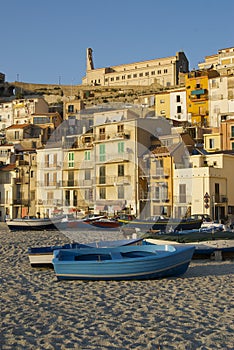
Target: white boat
[32, 223]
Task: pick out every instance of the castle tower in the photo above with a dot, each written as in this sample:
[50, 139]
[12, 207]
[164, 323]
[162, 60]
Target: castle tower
[89, 59]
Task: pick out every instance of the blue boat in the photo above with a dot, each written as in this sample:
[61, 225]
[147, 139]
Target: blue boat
[41, 256]
[122, 263]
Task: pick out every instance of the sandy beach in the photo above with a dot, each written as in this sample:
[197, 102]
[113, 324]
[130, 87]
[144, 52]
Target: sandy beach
[194, 311]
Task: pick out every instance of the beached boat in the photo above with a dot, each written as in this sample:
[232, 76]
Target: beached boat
[32, 223]
[190, 236]
[122, 263]
[106, 223]
[41, 256]
[215, 250]
[69, 222]
[162, 223]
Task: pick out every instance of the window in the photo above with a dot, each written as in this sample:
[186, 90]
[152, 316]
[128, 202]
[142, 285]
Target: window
[211, 143]
[117, 78]
[162, 101]
[102, 132]
[87, 174]
[67, 198]
[182, 193]
[232, 145]
[159, 167]
[146, 74]
[71, 159]
[112, 79]
[120, 192]
[153, 72]
[102, 193]
[102, 175]
[87, 155]
[198, 86]
[46, 179]
[140, 74]
[123, 77]
[16, 135]
[102, 153]
[177, 98]
[179, 109]
[120, 128]
[70, 109]
[232, 131]
[165, 70]
[75, 199]
[88, 194]
[129, 76]
[41, 120]
[71, 178]
[120, 170]
[134, 75]
[55, 159]
[47, 160]
[120, 147]
[159, 71]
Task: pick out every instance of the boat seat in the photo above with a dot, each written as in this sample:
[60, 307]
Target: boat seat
[116, 255]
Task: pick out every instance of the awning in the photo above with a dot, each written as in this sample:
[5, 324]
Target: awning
[198, 92]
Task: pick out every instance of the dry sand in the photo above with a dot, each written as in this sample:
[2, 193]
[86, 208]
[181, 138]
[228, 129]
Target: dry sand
[194, 311]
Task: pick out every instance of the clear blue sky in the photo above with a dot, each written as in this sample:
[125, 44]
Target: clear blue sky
[45, 41]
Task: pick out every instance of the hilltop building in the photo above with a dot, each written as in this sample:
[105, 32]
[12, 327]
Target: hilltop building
[163, 72]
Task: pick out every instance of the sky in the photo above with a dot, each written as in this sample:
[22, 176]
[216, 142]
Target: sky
[44, 42]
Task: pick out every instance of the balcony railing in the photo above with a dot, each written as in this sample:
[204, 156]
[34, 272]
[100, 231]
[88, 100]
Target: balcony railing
[113, 180]
[20, 202]
[125, 134]
[49, 184]
[182, 199]
[116, 157]
[78, 183]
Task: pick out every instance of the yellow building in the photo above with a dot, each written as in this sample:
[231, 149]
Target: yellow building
[162, 104]
[212, 142]
[197, 89]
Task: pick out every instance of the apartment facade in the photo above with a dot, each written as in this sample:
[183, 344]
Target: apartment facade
[24, 108]
[49, 181]
[212, 175]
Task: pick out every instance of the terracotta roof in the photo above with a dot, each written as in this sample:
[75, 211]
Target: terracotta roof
[8, 167]
[18, 126]
[159, 149]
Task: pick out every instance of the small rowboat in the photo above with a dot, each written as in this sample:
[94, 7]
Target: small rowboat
[122, 263]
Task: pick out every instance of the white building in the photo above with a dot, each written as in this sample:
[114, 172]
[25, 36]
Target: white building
[49, 181]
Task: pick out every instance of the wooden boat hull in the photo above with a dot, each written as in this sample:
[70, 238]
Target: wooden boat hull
[122, 263]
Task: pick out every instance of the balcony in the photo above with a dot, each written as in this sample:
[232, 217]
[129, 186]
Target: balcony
[114, 158]
[111, 136]
[78, 183]
[219, 198]
[18, 201]
[49, 184]
[50, 202]
[113, 180]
